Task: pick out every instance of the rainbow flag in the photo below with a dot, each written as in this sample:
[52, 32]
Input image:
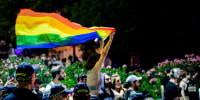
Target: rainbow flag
[49, 30]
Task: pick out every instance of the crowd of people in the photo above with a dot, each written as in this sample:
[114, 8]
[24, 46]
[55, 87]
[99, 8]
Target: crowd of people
[94, 85]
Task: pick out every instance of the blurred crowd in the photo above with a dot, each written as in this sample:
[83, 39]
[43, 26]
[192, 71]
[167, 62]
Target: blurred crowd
[94, 85]
[176, 85]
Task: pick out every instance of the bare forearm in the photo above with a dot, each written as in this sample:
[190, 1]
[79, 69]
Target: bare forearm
[107, 47]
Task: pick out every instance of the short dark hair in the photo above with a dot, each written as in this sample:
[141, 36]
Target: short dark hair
[81, 76]
[168, 69]
[56, 70]
[103, 96]
[129, 84]
[91, 61]
[38, 80]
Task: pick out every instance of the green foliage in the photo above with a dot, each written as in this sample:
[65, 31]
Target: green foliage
[72, 71]
[9, 65]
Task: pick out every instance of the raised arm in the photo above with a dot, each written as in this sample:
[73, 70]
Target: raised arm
[101, 46]
[104, 53]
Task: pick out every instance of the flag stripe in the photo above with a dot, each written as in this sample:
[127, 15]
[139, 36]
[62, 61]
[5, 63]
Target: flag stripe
[46, 23]
[54, 40]
[46, 38]
[46, 28]
[29, 12]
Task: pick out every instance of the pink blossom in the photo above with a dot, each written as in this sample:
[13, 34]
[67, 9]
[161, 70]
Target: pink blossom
[197, 57]
[8, 61]
[76, 75]
[124, 65]
[2, 71]
[143, 71]
[156, 91]
[10, 67]
[6, 73]
[15, 66]
[192, 59]
[153, 69]
[6, 65]
[108, 66]
[166, 61]
[14, 55]
[181, 70]
[196, 74]
[191, 55]
[152, 80]
[46, 73]
[159, 65]
[148, 73]
[159, 73]
[186, 55]
[43, 58]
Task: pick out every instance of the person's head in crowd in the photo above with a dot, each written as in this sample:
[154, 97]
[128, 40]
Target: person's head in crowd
[3, 42]
[25, 75]
[167, 70]
[53, 57]
[38, 83]
[6, 90]
[133, 82]
[92, 60]
[175, 73]
[107, 81]
[59, 92]
[116, 81]
[81, 92]
[43, 55]
[106, 86]
[58, 73]
[81, 78]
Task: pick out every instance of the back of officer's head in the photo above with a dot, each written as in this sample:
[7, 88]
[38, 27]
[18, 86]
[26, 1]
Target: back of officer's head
[25, 74]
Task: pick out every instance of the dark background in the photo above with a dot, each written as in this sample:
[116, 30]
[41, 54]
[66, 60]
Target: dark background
[165, 30]
[155, 30]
